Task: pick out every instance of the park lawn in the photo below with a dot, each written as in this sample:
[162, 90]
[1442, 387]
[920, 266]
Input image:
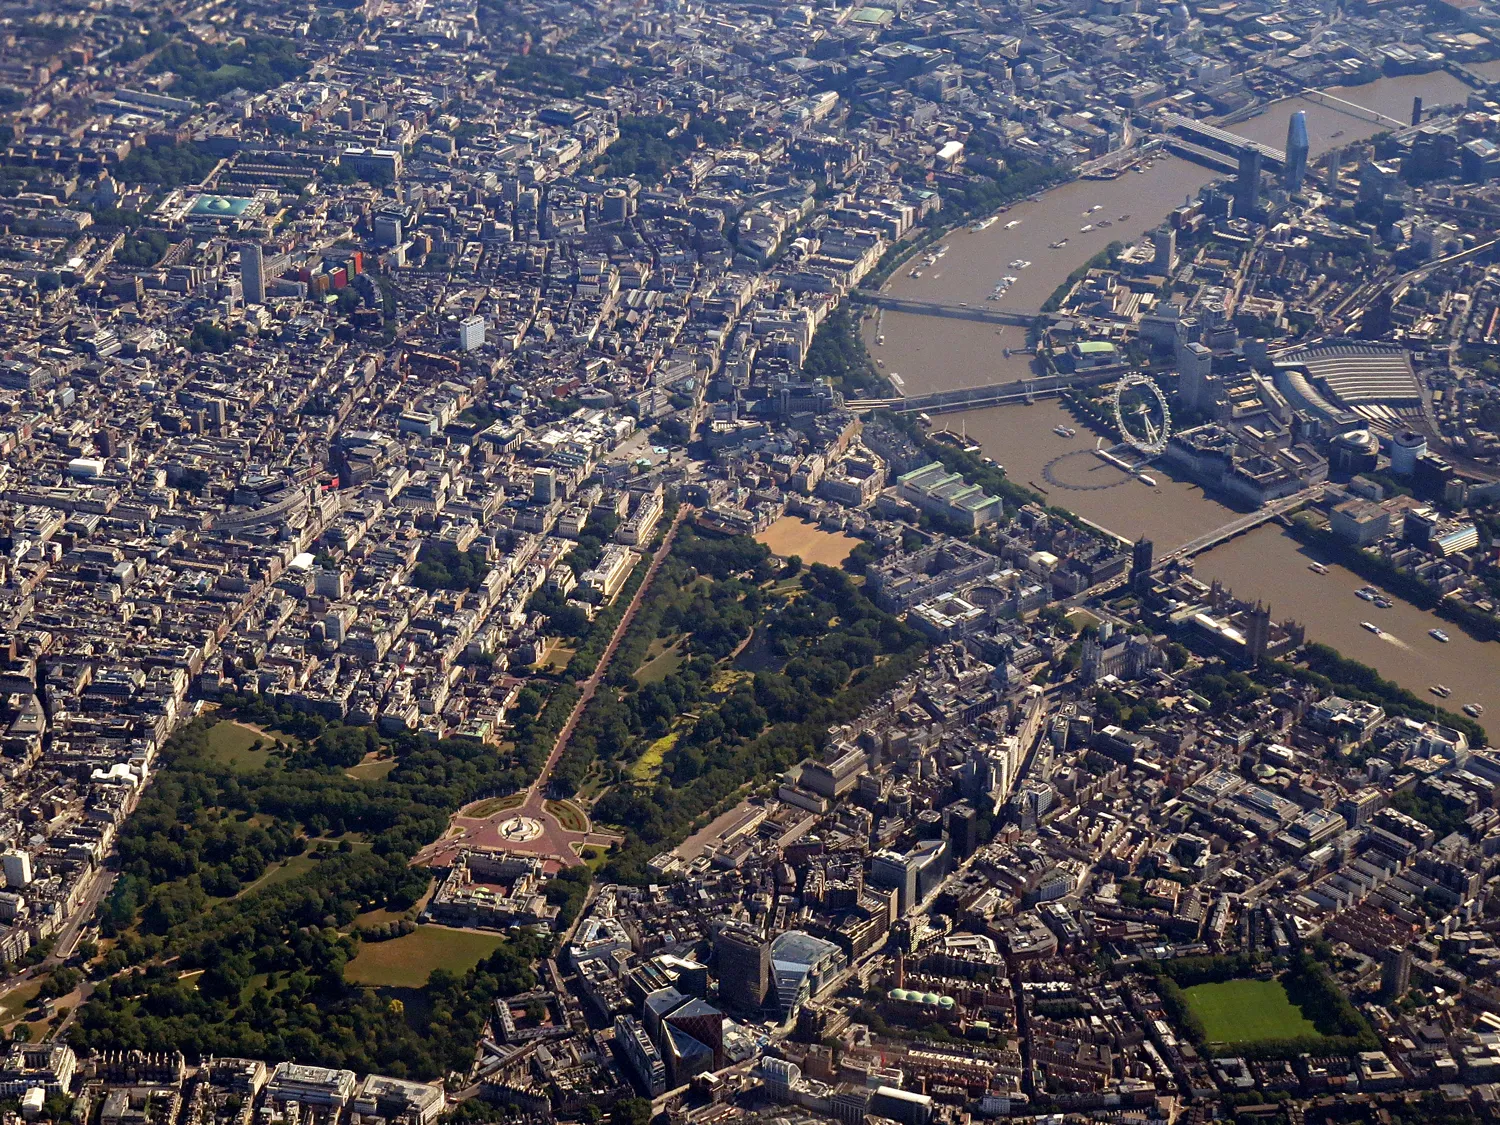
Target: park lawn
[727, 679]
[230, 743]
[14, 1002]
[406, 962]
[371, 769]
[228, 72]
[556, 658]
[662, 659]
[1081, 619]
[373, 918]
[594, 857]
[1247, 1011]
[648, 765]
[488, 807]
[595, 782]
[282, 872]
[569, 815]
[790, 536]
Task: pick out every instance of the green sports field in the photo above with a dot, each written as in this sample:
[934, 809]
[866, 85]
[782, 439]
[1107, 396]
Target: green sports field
[1247, 1011]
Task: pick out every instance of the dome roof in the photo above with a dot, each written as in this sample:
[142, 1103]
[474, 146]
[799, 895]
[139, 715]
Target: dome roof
[946, 1002]
[929, 998]
[899, 994]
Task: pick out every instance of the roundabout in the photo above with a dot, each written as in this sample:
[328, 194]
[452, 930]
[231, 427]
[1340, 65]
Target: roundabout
[520, 829]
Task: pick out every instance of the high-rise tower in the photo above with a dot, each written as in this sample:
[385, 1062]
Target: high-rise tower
[744, 962]
[1247, 183]
[1296, 151]
[253, 273]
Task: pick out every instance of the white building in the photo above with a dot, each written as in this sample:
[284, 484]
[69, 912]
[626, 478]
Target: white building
[17, 867]
[471, 333]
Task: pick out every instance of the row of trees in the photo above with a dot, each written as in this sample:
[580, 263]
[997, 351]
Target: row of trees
[838, 355]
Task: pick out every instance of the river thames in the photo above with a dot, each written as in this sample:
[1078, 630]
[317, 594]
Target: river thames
[930, 354]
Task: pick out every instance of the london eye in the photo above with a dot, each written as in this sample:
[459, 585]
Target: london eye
[1141, 414]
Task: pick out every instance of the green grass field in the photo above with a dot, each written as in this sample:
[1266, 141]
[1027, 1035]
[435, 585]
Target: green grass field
[556, 658]
[1247, 1011]
[372, 918]
[648, 765]
[283, 872]
[14, 1002]
[371, 769]
[662, 659]
[479, 810]
[406, 962]
[569, 815]
[231, 743]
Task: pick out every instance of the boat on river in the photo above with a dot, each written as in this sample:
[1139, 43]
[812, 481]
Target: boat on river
[1438, 635]
[1442, 691]
[1370, 625]
[1473, 710]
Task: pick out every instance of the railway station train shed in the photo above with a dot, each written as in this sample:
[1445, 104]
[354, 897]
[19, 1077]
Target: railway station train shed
[1353, 384]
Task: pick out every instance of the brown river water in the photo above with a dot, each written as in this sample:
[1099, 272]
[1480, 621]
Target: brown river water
[931, 354]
